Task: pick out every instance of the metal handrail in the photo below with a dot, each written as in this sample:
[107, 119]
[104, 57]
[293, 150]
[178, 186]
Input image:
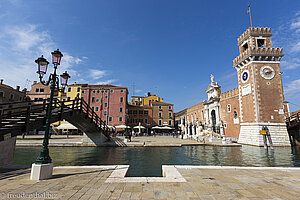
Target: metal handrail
[19, 109]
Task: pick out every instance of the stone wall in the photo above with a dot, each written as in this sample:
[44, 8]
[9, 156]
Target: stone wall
[7, 151]
[249, 134]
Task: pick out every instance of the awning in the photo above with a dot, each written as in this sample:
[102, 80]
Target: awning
[122, 126]
[156, 127]
[66, 126]
[139, 127]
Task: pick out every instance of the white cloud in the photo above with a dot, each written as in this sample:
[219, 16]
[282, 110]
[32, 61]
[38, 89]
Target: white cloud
[293, 87]
[295, 47]
[138, 91]
[292, 63]
[20, 46]
[110, 81]
[97, 74]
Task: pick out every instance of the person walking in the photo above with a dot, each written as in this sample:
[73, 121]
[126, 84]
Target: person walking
[181, 135]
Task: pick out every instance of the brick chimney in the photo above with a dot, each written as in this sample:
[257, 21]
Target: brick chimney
[34, 82]
[18, 88]
[1, 81]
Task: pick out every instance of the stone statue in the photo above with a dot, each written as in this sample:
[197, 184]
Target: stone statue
[212, 78]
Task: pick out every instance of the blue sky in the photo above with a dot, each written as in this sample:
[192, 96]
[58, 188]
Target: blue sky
[167, 47]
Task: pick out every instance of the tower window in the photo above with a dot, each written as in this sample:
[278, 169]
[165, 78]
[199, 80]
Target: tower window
[245, 46]
[261, 43]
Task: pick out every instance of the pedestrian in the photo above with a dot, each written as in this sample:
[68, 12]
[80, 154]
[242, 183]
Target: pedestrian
[68, 133]
[130, 136]
[181, 135]
[173, 134]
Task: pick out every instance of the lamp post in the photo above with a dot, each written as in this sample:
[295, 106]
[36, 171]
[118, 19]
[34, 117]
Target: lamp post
[53, 81]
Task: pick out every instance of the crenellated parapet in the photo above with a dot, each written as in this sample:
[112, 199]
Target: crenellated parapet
[229, 94]
[258, 54]
[254, 31]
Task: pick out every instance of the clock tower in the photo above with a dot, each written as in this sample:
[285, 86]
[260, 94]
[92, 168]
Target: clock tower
[260, 88]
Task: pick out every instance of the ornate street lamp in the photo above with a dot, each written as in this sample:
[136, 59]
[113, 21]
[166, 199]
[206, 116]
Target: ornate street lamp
[53, 81]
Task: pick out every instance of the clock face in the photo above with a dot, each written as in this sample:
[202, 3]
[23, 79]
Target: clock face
[267, 72]
[245, 76]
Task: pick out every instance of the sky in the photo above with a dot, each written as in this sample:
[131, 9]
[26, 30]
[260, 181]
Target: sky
[167, 47]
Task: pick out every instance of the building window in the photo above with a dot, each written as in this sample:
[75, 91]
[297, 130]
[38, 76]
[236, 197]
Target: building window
[159, 115]
[110, 119]
[135, 121]
[93, 108]
[1, 94]
[228, 108]
[97, 109]
[135, 112]
[170, 122]
[36, 99]
[159, 122]
[146, 121]
[42, 89]
[94, 91]
[121, 109]
[202, 115]
[37, 90]
[129, 112]
[170, 114]
[261, 43]
[78, 89]
[98, 91]
[93, 99]
[121, 99]
[105, 112]
[120, 119]
[170, 107]
[106, 96]
[104, 121]
[111, 91]
[106, 91]
[97, 100]
[145, 112]
[105, 105]
[122, 91]
[141, 120]
[102, 91]
[82, 91]
[141, 112]
[159, 107]
[234, 114]
[11, 96]
[225, 125]
[68, 98]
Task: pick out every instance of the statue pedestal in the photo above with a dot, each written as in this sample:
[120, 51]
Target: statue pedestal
[41, 171]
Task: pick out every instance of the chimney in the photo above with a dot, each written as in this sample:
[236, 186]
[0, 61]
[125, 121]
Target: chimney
[18, 88]
[149, 94]
[1, 81]
[34, 82]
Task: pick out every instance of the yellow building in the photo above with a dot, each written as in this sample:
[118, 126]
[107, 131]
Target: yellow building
[146, 100]
[74, 90]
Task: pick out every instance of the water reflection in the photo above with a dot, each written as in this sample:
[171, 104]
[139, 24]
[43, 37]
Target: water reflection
[147, 161]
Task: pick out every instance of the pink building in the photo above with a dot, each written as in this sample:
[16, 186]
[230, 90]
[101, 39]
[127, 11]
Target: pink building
[108, 101]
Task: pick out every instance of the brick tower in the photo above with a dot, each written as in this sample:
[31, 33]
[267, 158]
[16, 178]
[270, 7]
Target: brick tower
[260, 88]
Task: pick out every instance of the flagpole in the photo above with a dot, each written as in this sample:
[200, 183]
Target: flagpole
[250, 15]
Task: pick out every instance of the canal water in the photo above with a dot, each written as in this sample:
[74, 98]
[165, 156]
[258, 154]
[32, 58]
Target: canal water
[147, 161]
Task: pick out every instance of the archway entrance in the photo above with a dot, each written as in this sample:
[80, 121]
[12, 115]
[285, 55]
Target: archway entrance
[213, 119]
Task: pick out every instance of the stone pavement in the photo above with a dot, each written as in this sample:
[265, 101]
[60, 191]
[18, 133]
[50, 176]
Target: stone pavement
[76, 140]
[202, 182]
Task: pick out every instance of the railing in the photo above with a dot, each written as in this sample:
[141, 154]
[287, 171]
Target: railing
[24, 110]
[293, 119]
